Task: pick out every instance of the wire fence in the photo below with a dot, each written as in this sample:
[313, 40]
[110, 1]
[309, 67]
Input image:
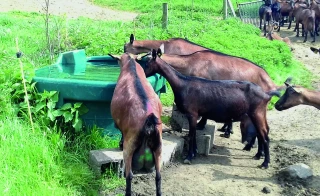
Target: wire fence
[249, 12]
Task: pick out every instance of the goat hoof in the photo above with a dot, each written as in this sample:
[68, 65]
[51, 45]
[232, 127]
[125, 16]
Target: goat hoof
[256, 157]
[264, 166]
[222, 130]
[313, 41]
[247, 148]
[225, 135]
[187, 161]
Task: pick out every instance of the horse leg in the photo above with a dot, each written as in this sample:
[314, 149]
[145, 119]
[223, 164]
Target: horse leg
[192, 134]
[202, 123]
[157, 155]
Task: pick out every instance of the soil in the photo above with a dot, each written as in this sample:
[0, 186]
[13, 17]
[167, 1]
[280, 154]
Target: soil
[227, 170]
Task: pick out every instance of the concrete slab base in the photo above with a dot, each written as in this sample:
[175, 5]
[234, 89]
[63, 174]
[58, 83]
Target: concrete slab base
[103, 159]
[204, 138]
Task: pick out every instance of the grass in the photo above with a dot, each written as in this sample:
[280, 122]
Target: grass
[47, 161]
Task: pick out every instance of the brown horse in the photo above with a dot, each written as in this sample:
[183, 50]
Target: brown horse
[136, 111]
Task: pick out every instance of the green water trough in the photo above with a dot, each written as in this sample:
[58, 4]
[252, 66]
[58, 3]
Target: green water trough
[90, 80]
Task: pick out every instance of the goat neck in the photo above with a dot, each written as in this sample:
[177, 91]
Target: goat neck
[179, 63]
[172, 76]
[311, 98]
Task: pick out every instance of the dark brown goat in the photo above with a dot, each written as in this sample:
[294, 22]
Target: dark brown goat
[136, 110]
[286, 9]
[218, 100]
[265, 14]
[217, 66]
[296, 95]
[297, 11]
[307, 19]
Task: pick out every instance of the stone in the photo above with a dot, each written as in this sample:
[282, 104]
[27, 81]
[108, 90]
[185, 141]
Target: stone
[299, 170]
[266, 190]
[102, 159]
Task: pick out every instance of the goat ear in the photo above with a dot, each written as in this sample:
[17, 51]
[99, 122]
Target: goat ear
[114, 56]
[154, 54]
[162, 48]
[131, 38]
[315, 50]
[288, 80]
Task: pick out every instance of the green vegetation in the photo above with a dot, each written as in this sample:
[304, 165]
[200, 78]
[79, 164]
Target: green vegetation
[52, 160]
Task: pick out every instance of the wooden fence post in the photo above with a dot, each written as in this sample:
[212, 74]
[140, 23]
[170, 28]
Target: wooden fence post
[164, 15]
[225, 9]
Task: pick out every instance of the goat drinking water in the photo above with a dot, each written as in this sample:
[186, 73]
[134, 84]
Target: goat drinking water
[136, 111]
[218, 100]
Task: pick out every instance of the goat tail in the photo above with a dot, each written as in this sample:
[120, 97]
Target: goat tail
[150, 125]
[274, 93]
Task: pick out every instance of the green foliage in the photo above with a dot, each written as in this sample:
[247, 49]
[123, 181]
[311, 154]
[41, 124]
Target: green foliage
[166, 120]
[53, 161]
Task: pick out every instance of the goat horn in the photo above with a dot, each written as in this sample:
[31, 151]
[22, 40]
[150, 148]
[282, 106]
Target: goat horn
[114, 57]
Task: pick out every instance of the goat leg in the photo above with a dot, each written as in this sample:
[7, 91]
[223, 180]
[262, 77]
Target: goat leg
[157, 156]
[121, 142]
[192, 134]
[201, 124]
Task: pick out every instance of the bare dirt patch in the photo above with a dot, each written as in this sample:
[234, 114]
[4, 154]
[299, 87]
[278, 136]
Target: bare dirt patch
[72, 9]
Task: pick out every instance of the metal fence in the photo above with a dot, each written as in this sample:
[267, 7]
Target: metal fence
[249, 12]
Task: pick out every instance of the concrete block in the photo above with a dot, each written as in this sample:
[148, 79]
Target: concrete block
[204, 138]
[105, 158]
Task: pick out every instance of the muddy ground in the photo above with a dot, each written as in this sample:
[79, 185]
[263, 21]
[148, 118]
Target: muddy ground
[228, 170]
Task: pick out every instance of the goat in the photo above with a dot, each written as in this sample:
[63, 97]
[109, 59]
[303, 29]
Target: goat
[171, 46]
[286, 9]
[307, 18]
[314, 6]
[265, 14]
[218, 100]
[136, 110]
[296, 95]
[175, 46]
[297, 11]
[276, 12]
[214, 65]
[272, 35]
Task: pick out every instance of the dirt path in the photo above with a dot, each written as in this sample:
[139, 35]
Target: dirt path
[72, 9]
[228, 170]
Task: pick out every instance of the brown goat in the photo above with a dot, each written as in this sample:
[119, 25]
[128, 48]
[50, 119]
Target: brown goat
[136, 111]
[274, 36]
[296, 95]
[308, 24]
[171, 46]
